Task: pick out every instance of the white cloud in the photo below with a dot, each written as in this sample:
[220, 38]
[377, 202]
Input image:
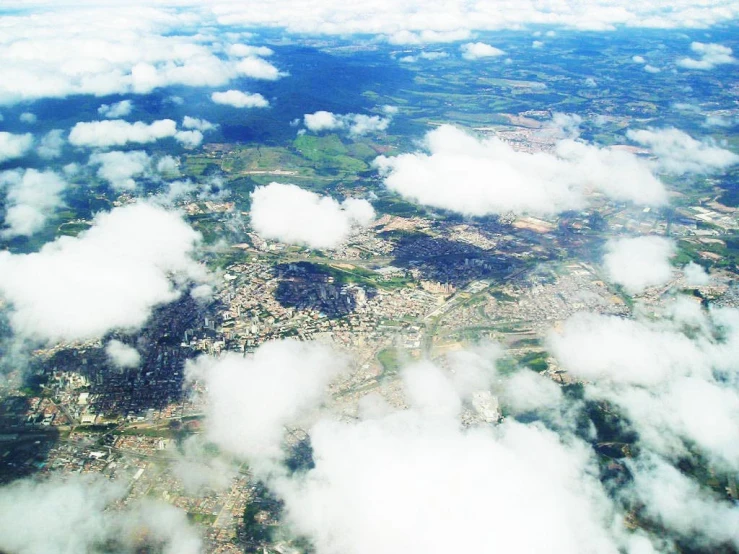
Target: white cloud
[287, 213]
[429, 390]
[386, 483]
[116, 132]
[116, 110]
[48, 52]
[620, 175]
[483, 176]
[695, 275]
[477, 50]
[122, 355]
[612, 349]
[119, 168]
[426, 36]
[679, 153]
[638, 59]
[416, 21]
[199, 470]
[32, 197]
[638, 263]
[189, 139]
[51, 144]
[474, 371]
[41, 517]
[115, 48]
[433, 55]
[670, 377]
[537, 44]
[527, 391]
[651, 69]
[322, 121]
[28, 117]
[681, 415]
[364, 124]
[198, 124]
[109, 277]
[244, 50]
[239, 99]
[678, 503]
[251, 399]
[257, 68]
[711, 55]
[168, 166]
[355, 124]
[14, 146]
[76, 514]
[717, 121]
[564, 125]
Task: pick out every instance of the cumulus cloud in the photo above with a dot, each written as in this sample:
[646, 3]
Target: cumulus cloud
[32, 197]
[116, 110]
[119, 168]
[682, 415]
[484, 176]
[414, 22]
[51, 144]
[14, 146]
[678, 503]
[564, 125]
[475, 375]
[48, 52]
[287, 213]
[189, 139]
[355, 124]
[116, 132]
[477, 50]
[695, 275]
[39, 517]
[411, 466]
[198, 124]
[244, 50]
[28, 117]
[251, 399]
[113, 49]
[433, 55]
[109, 277]
[679, 153]
[638, 263]
[364, 124]
[402, 469]
[199, 469]
[257, 68]
[717, 121]
[74, 515]
[426, 36]
[710, 55]
[239, 99]
[322, 121]
[429, 390]
[121, 354]
[671, 377]
[609, 348]
[168, 166]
